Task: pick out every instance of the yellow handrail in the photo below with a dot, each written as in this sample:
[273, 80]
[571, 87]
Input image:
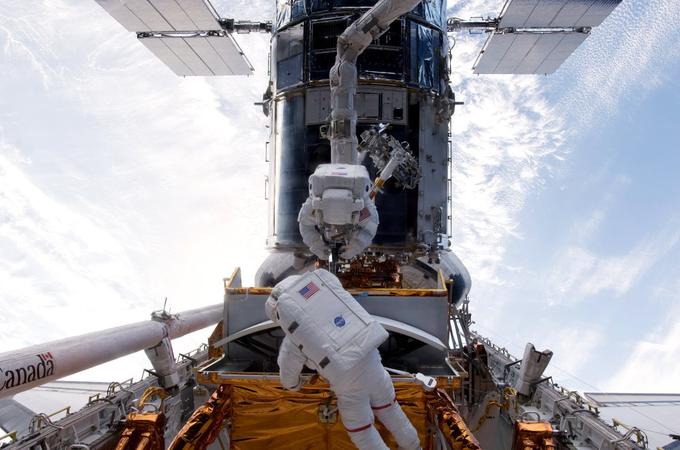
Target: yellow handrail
[66, 409]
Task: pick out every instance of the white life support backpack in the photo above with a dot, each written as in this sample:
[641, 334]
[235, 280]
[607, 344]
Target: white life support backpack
[324, 321]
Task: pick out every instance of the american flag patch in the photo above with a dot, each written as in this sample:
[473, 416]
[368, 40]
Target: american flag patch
[309, 290]
[364, 214]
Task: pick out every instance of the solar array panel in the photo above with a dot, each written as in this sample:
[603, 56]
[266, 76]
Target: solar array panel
[200, 56]
[163, 15]
[189, 55]
[555, 13]
[539, 43]
[526, 53]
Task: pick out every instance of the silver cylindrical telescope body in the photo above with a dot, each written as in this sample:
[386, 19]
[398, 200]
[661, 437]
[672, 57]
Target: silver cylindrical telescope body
[400, 78]
[32, 366]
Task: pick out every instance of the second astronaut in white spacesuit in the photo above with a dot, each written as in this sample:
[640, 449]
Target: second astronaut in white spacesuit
[363, 387]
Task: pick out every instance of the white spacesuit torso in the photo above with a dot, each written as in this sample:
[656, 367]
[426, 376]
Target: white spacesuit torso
[324, 321]
[328, 331]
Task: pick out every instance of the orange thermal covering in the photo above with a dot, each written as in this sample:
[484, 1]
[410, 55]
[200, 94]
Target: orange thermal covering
[143, 431]
[216, 335]
[265, 416]
[533, 436]
[205, 423]
[445, 415]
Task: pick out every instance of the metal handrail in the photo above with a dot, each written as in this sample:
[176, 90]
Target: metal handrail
[12, 435]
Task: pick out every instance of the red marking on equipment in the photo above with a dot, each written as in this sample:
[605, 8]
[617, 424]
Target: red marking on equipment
[356, 430]
[376, 408]
[364, 214]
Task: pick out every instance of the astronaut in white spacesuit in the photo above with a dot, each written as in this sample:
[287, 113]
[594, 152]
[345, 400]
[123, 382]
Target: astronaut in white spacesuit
[346, 355]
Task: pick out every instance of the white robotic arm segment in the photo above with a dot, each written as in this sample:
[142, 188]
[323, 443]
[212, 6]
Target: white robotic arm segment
[343, 76]
[358, 36]
[343, 137]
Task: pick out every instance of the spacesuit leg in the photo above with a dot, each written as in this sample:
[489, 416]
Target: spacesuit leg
[356, 415]
[386, 408]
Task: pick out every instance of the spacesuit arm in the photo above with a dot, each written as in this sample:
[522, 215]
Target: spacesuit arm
[365, 232]
[310, 234]
[291, 362]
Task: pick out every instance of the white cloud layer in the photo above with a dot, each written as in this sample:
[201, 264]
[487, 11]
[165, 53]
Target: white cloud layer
[653, 363]
[624, 57]
[573, 348]
[579, 273]
[504, 138]
[120, 183]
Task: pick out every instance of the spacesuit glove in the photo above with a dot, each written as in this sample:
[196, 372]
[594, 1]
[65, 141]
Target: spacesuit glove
[360, 240]
[363, 236]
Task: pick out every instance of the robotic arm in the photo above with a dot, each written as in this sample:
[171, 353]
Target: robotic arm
[351, 43]
[339, 215]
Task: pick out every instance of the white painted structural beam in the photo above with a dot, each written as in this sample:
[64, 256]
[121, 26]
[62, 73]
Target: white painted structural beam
[32, 366]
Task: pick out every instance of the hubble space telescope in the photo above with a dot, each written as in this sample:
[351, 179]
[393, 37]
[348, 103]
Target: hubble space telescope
[359, 102]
